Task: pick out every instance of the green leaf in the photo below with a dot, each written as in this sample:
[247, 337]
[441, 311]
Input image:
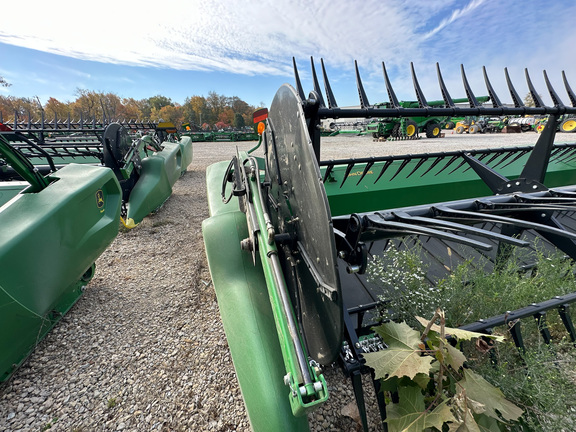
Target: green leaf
[458, 333]
[477, 389]
[403, 356]
[422, 380]
[454, 357]
[410, 415]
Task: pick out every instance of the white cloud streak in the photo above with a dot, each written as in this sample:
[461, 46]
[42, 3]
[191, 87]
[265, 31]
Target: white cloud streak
[258, 38]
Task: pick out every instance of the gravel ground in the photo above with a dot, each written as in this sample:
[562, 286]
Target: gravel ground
[144, 348]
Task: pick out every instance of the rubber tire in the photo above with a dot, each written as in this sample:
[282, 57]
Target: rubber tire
[432, 130]
[568, 125]
[411, 129]
[459, 130]
[449, 125]
[525, 128]
[396, 130]
[474, 129]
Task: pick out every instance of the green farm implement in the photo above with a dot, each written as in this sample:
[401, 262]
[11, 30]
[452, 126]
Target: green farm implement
[290, 234]
[54, 227]
[147, 158]
[221, 136]
[411, 127]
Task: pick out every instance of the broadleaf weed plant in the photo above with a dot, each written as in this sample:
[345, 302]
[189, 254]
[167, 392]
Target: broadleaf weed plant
[540, 380]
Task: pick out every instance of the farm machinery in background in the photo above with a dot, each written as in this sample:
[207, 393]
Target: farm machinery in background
[64, 189]
[146, 157]
[411, 127]
[289, 235]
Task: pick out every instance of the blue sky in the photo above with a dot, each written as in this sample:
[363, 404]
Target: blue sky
[180, 48]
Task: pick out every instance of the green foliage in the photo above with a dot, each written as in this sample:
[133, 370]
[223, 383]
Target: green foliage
[435, 391]
[402, 273]
[541, 382]
[239, 122]
[470, 293]
[532, 381]
[112, 402]
[50, 424]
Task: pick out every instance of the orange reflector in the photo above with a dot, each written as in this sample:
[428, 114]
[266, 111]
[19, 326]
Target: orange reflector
[260, 115]
[261, 127]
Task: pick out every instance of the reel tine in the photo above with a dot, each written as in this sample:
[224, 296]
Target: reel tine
[495, 99]
[515, 98]
[419, 95]
[329, 95]
[316, 85]
[445, 95]
[553, 94]
[535, 96]
[298, 83]
[391, 95]
[571, 94]
[361, 93]
[469, 94]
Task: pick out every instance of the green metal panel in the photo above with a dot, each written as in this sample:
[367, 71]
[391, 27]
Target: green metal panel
[392, 191]
[159, 173]
[48, 243]
[9, 190]
[151, 190]
[214, 176]
[249, 323]
[187, 152]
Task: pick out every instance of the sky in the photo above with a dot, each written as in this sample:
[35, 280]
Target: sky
[183, 48]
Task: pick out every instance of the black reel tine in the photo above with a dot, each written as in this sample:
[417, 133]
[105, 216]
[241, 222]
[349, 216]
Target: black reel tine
[316, 85]
[553, 94]
[535, 96]
[469, 94]
[571, 94]
[445, 95]
[361, 93]
[298, 83]
[515, 98]
[493, 96]
[419, 94]
[391, 95]
[329, 95]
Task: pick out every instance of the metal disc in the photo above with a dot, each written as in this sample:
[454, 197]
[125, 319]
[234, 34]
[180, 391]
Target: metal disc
[299, 207]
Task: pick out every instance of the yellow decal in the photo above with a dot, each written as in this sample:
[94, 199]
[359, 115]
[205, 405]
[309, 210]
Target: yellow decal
[359, 173]
[99, 198]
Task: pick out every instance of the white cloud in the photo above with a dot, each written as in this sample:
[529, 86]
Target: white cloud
[258, 38]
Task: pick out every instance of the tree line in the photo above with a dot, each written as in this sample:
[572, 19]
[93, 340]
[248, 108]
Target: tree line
[202, 113]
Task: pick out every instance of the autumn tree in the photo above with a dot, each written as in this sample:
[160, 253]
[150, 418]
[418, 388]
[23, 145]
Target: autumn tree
[239, 122]
[131, 109]
[195, 110]
[87, 104]
[54, 108]
[169, 113]
[22, 108]
[111, 105]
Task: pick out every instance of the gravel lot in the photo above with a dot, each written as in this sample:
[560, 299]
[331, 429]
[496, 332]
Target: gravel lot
[144, 348]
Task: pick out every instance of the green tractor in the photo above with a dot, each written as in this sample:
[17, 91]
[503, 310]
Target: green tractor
[410, 127]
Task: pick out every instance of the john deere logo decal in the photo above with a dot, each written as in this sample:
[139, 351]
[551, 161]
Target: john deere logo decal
[100, 198]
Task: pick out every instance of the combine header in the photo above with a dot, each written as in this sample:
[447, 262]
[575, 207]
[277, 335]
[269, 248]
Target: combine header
[64, 188]
[53, 228]
[147, 158]
[290, 234]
